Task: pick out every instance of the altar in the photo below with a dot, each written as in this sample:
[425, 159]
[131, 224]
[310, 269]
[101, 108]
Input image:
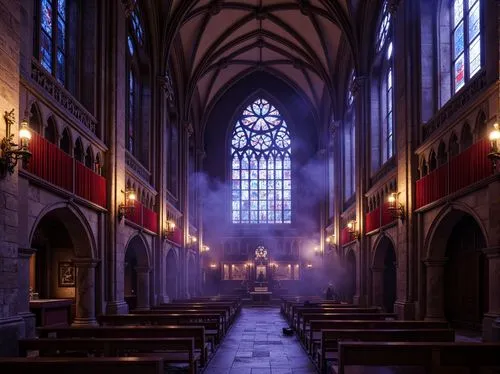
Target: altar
[261, 296]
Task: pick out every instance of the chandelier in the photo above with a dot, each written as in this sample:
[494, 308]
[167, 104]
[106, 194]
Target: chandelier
[260, 252]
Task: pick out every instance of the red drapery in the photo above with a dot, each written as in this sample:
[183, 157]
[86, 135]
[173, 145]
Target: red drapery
[176, 236]
[135, 215]
[150, 219]
[89, 185]
[373, 219]
[467, 168]
[387, 216]
[345, 236]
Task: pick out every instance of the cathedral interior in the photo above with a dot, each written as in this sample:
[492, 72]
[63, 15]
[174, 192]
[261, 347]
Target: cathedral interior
[250, 157]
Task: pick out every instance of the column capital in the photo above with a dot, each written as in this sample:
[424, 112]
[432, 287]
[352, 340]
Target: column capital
[142, 269]
[491, 252]
[25, 252]
[166, 85]
[435, 262]
[85, 262]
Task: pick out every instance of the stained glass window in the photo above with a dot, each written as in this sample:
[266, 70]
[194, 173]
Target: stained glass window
[52, 37]
[383, 32]
[466, 37]
[131, 112]
[389, 117]
[350, 96]
[137, 28]
[261, 166]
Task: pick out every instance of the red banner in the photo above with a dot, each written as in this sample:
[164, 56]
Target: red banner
[176, 236]
[387, 215]
[150, 219]
[89, 185]
[432, 187]
[373, 219]
[135, 215]
[345, 236]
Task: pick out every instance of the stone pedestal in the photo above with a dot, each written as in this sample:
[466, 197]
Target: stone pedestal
[435, 290]
[23, 294]
[85, 292]
[142, 287]
[491, 320]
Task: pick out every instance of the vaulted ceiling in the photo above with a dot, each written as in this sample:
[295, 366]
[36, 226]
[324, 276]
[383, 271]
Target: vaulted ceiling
[297, 40]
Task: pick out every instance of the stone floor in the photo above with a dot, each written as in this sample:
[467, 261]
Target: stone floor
[255, 345]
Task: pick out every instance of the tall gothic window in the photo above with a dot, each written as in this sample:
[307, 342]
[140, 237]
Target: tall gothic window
[51, 40]
[349, 143]
[466, 39]
[389, 118]
[135, 43]
[261, 166]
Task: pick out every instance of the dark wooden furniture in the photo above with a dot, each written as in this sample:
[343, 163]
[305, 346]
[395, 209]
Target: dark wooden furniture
[51, 312]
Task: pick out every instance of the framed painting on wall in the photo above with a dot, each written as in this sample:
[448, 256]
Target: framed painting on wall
[66, 274]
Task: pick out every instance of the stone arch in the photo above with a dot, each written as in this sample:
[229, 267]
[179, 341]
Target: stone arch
[66, 143]
[455, 263]
[136, 273]
[442, 156]
[89, 158]
[64, 263]
[171, 267]
[51, 133]
[78, 150]
[453, 146]
[384, 275]
[35, 118]
[466, 138]
[432, 161]
[481, 128]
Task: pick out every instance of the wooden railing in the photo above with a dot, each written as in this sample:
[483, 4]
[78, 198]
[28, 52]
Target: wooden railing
[469, 167]
[53, 165]
[378, 217]
[346, 236]
[175, 236]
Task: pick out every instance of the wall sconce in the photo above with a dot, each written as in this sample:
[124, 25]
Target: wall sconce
[11, 152]
[330, 241]
[204, 248]
[395, 207]
[213, 266]
[317, 251]
[191, 240]
[128, 205]
[169, 229]
[351, 227]
[309, 266]
[494, 154]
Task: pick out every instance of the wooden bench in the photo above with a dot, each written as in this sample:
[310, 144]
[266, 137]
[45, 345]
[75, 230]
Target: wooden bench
[211, 322]
[195, 332]
[94, 365]
[330, 339]
[172, 350]
[313, 337]
[433, 357]
[299, 320]
[223, 312]
[342, 317]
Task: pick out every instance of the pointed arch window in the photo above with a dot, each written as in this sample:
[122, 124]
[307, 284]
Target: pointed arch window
[466, 38]
[385, 25]
[349, 143]
[51, 40]
[261, 166]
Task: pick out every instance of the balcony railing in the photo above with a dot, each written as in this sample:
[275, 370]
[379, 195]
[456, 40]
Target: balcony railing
[346, 236]
[379, 217]
[143, 216]
[461, 171]
[175, 236]
[53, 165]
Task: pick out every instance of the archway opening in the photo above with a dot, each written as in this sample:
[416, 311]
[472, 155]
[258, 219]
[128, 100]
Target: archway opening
[465, 275]
[351, 271]
[193, 276]
[171, 275]
[384, 280]
[60, 238]
[389, 279]
[136, 275]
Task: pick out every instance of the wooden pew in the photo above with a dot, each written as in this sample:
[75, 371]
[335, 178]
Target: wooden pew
[172, 350]
[94, 365]
[211, 322]
[330, 338]
[313, 335]
[223, 311]
[342, 317]
[230, 309]
[299, 312]
[434, 357]
[196, 332]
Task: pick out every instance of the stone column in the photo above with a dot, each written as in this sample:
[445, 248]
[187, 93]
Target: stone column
[23, 295]
[85, 292]
[491, 320]
[378, 286]
[142, 287]
[435, 290]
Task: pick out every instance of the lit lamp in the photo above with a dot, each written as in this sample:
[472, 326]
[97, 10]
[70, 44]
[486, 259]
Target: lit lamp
[351, 227]
[494, 154]
[330, 241]
[317, 251]
[191, 240]
[169, 229]
[395, 207]
[10, 152]
[128, 205]
[204, 248]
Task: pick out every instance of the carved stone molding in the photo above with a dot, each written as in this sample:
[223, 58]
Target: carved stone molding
[457, 102]
[189, 129]
[129, 7]
[59, 94]
[333, 127]
[357, 84]
[167, 86]
[137, 167]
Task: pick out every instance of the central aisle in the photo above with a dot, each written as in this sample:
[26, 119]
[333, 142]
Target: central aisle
[255, 345]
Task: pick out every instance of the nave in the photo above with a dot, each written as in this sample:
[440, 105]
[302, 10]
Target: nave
[256, 345]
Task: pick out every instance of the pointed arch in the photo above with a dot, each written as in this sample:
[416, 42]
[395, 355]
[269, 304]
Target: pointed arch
[261, 164]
